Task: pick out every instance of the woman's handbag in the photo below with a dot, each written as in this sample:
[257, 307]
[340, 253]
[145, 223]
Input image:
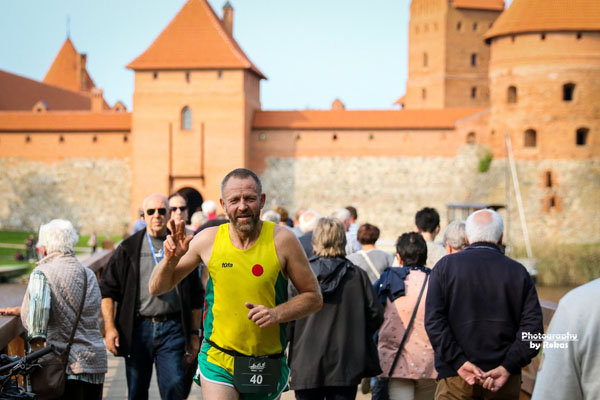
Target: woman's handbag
[48, 382]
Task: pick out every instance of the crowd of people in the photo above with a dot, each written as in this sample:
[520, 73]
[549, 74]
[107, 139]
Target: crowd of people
[252, 302]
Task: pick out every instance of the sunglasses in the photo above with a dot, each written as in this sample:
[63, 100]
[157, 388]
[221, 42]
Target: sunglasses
[182, 209]
[161, 211]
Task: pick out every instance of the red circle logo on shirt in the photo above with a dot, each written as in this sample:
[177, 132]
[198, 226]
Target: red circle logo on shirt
[258, 270]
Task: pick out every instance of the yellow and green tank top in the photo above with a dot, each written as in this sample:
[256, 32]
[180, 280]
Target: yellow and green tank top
[236, 277]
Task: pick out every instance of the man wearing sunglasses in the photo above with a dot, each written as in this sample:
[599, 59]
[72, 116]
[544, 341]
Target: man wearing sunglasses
[149, 329]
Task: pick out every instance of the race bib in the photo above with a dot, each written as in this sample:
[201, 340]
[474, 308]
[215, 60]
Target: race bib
[256, 374]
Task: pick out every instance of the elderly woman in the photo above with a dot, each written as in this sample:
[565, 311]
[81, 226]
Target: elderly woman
[50, 308]
[332, 350]
[372, 260]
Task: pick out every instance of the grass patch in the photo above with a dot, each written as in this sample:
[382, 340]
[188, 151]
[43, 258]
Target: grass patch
[565, 265]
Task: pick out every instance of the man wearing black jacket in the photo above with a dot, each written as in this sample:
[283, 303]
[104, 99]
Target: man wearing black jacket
[150, 329]
[480, 306]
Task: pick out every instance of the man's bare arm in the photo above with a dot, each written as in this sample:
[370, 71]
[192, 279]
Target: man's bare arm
[309, 299]
[182, 256]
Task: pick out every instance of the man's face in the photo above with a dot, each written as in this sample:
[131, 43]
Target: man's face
[242, 203]
[156, 224]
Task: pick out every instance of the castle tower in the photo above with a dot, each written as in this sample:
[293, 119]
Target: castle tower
[68, 70]
[194, 98]
[448, 59]
[545, 78]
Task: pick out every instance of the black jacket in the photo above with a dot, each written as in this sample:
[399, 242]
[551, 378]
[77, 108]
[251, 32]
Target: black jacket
[478, 303]
[334, 347]
[120, 281]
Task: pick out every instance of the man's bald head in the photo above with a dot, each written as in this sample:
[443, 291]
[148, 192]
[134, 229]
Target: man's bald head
[484, 226]
[155, 196]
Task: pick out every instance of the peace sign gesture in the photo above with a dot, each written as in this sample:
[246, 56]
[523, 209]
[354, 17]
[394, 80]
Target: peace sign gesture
[177, 243]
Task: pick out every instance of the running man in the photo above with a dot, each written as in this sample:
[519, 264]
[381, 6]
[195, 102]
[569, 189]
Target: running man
[248, 264]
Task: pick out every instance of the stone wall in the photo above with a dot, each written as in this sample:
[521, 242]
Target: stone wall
[94, 194]
[389, 191]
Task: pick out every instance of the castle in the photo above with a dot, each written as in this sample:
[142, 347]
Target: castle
[477, 74]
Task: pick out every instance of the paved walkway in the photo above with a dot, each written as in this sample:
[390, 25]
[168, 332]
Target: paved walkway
[115, 384]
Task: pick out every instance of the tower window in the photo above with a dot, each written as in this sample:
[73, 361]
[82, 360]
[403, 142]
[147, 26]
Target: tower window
[474, 26]
[552, 202]
[543, 36]
[474, 92]
[187, 76]
[186, 118]
[458, 26]
[155, 75]
[530, 138]
[568, 91]
[511, 94]
[473, 59]
[579, 35]
[423, 93]
[581, 136]
[548, 179]
[425, 59]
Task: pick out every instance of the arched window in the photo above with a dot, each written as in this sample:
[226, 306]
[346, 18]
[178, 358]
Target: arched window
[473, 92]
[530, 138]
[186, 118]
[511, 94]
[474, 26]
[549, 182]
[425, 59]
[471, 138]
[568, 91]
[423, 93]
[581, 136]
[458, 26]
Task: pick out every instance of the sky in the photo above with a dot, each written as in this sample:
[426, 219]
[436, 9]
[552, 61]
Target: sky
[312, 51]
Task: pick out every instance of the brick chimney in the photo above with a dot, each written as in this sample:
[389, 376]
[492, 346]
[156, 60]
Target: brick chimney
[97, 100]
[228, 18]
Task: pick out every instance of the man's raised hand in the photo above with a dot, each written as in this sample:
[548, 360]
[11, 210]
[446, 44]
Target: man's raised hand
[177, 243]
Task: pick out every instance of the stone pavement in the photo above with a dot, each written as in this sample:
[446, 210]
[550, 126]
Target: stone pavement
[115, 384]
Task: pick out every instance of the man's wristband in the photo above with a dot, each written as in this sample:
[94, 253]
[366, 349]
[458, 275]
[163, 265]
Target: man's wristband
[197, 332]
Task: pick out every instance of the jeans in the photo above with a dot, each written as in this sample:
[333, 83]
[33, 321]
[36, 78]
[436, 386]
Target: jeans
[161, 343]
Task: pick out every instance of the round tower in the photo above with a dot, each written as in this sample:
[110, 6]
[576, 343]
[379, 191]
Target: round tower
[545, 79]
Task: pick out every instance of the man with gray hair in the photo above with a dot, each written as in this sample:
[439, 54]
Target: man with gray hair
[308, 222]
[455, 238]
[352, 244]
[146, 329]
[481, 308]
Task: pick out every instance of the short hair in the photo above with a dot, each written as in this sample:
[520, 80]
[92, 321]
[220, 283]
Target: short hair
[272, 216]
[427, 220]
[209, 206]
[454, 235]
[241, 173]
[58, 235]
[162, 196]
[198, 218]
[283, 213]
[342, 214]
[329, 238]
[308, 220]
[484, 226]
[367, 234]
[412, 249]
[352, 211]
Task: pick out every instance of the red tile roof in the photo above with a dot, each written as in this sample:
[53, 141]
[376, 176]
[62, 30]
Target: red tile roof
[194, 39]
[66, 70]
[359, 120]
[546, 16]
[493, 5]
[20, 93]
[69, 121]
